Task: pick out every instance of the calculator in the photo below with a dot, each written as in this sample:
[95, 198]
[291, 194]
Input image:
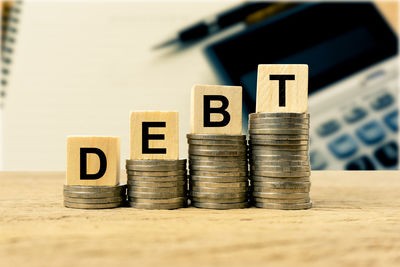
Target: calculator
[353, 78]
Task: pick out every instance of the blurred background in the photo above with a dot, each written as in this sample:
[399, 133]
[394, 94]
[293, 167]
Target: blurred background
[80, 67]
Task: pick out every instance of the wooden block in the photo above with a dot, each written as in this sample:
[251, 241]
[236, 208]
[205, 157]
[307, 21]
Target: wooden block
[282, 88]
[154, 135]
[93, 160]
[216, 109]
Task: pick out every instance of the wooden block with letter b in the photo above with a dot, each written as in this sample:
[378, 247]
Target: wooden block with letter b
[93, 160]
[216, 109]
[154, 135]
[282, 88]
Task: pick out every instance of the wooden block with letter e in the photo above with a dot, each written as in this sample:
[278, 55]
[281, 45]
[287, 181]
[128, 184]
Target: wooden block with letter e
[216, 109]
[154, 135]
[93, 160]
[282, 88]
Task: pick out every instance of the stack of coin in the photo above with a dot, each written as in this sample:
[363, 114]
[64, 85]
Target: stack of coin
[218, 171]
[279, 160]
[157, 184]
[94, 197]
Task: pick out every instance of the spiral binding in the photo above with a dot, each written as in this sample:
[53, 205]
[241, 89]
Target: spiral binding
[10, 19]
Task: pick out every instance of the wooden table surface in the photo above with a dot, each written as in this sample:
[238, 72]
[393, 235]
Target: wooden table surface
[355, 221]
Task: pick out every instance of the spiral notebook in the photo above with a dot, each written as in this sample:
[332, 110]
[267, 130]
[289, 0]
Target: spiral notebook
[10, 17]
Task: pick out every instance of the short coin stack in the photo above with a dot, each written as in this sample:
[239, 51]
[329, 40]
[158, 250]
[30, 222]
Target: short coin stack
[157, 184]
[279, 160]
[218, 171]
[94, 197]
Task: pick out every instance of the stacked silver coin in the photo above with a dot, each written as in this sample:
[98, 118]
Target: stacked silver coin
[218, 171]
[157, 184]
[94, 197]
[279, 160]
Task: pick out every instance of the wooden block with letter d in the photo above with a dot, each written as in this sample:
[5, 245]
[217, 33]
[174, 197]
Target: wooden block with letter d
[154, 135]
[93, 160]
[216, 109]
[282, 88]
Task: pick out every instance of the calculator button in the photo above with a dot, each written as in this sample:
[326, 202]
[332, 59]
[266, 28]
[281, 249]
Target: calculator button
[382, 101]
[355, 114]
[388, 155]
[317, 161]
[391, 120]
[328, 128]
[370, 133]
[344, 146]
[361, 163]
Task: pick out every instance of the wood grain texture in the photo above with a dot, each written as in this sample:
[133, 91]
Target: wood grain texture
[234, 109]
[354, 222]
[170, 133]
[268, 89]
[111, 149]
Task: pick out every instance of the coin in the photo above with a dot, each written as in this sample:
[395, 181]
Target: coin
[280, 168]
[221, 206]
[281, 137]
[229, 153]
[214, 200]
[149, 168]
[278, 142]
[218, 179]
[180, 189]
[209, 163]
[93, 195]
[156, 162]
[218, 195]
[281, 162]
[218, 174]
[282, 153]
[266, 149]
[94, 189]
[156, 184]
[217, 142]
[161, 173]
[281, 185]
[281, 174]
[285, 206]
[279, 180]
[280, 195]
[155, 194]
[156, 206]
[93, 200]
[279, 131]
[219, 185]
[280, 190]
[216, 137]
[222, 190]
[218, 158]
[282, 201]
[92, 206]
[158, 200]
[219, 148]
[279, 120]
[279, 158]
[219, 169]
[157, 178]
[278, 126]
[278, 115]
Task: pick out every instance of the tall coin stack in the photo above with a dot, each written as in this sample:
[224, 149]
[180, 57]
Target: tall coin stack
[94, 197]
[157, 184]
[218, 171]
[279, 160]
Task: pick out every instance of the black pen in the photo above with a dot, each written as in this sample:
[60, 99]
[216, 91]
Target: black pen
[221, 21]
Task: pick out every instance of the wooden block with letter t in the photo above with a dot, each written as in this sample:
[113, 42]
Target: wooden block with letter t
[154, 135]
[93, 160]
[282, 88]
[216, 109]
